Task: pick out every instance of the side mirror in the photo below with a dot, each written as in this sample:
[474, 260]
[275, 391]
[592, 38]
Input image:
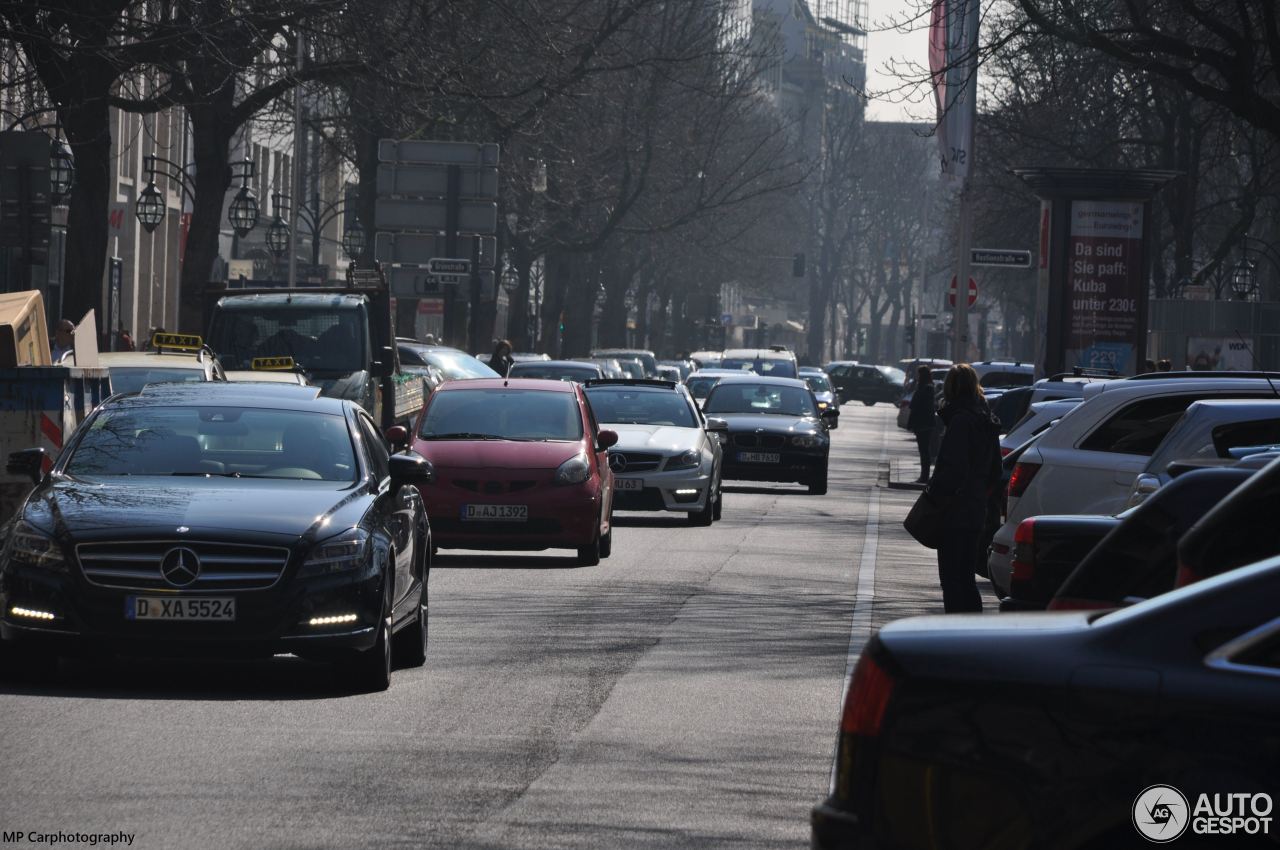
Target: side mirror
[397, 436]
[385, 365]
[28, 462]
[411, 468]
[607, 439]
[714, 424]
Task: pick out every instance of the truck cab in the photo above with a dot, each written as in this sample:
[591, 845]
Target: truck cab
[341, 339]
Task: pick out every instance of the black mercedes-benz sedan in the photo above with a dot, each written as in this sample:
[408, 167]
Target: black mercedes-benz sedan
[225, 519]
[775, 430]
[1050, 731]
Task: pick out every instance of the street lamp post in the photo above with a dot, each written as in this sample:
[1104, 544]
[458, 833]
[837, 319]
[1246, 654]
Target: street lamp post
[278, 233]
[1244, 277]
[150, 207]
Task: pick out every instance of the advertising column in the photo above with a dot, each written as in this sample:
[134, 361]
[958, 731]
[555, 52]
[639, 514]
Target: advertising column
[1106, 286]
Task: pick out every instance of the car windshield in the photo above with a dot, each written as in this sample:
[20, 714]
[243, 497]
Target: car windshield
[631, 406]
[700, 385]
[554, 372]
[321, 339]
[768, 367]
[131, 379]
[633, 368]
[502, 414]
[457, 365]
[760, 398]
[237, 442]
[818, 383]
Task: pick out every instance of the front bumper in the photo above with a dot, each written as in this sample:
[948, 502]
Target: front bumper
[793, 464]
[559, 517]
[91, 617]
[835, 829]
[679, 490]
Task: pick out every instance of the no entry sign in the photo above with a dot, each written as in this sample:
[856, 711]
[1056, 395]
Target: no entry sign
[973, 292]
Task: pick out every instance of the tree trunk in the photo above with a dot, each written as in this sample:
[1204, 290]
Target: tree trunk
[88, 128]
[211, 131]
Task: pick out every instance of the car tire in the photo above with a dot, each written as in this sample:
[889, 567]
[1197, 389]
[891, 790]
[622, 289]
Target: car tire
[606, 542]
[869, 403]
[818, 485]
[719, 510]
[409, 647]
[369, 670]
[589, 555]
[706, 516]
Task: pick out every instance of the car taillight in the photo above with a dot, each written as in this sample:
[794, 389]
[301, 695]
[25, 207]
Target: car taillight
[867, 699]
[1024, 551]
[1186, 575]
[1023, 472]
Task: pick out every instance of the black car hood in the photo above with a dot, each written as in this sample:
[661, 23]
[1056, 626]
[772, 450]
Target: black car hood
[769, 422]
[84, 508]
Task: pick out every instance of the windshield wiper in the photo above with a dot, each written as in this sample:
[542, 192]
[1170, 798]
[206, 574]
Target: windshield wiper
[464, 435]
[201, 474]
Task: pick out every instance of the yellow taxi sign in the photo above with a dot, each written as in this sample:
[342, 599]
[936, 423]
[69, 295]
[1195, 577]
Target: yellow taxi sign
[271, 364]
[179, 342]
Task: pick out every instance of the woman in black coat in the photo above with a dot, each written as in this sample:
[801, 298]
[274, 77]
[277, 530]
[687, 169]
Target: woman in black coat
[922, 419]
[501, 359]
[968, 467]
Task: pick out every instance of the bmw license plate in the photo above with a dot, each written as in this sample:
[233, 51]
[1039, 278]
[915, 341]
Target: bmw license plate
[205, 608]
[628, 485]
[500, 513]
[759, 457]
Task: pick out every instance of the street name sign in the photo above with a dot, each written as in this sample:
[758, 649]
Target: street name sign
[1000, 258]
[443, 266]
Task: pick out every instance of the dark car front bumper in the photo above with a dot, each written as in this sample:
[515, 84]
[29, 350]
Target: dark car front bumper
[793, 464]
[89, 617]
[836, 829]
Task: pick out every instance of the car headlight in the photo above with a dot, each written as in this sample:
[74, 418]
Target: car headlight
[342, 553]
[822, 405]
[33, 548]
[806, 441]
[687, 460]
[575, 470]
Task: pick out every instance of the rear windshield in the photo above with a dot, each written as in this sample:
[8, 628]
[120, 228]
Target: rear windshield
[699, 386]
[770, 367]
[502, 414]
[457, 365]
[1191, 440]
[628, 406]
[232, 441]
[131, 379]
[1007, 379]
[760, 398]
[818, 383]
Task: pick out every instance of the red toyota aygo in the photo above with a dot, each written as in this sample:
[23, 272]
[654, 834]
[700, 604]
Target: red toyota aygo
[519, 464]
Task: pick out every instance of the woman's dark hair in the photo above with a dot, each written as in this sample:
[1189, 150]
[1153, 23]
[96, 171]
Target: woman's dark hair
[497, 349]
[924, 375]
[961, 384]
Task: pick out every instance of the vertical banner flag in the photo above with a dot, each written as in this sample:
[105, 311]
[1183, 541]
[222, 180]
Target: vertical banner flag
[953, 66]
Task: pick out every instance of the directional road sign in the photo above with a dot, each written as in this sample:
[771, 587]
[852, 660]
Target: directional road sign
[430, 214]
[439, 153]
[1000, 257]
[443, 266]
[432, 180]
[420, 248]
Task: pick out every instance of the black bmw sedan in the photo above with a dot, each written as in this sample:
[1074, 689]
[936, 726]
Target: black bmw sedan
[225, 519]
[1063, 731]
[775, 430]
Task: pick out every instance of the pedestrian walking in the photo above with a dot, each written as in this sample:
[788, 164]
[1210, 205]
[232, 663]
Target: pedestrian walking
[63, 339]
[501, 360]
[922, 419]
[968, 467]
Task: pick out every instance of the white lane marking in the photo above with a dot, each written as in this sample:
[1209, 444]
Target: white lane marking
[865, 595]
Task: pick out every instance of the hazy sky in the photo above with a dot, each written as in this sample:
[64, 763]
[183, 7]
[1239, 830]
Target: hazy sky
[885, 43]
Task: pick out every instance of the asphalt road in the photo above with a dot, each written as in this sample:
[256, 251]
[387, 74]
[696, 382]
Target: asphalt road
[684, 693]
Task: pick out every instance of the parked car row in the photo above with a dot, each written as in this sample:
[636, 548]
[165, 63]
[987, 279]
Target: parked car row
[1139, 563]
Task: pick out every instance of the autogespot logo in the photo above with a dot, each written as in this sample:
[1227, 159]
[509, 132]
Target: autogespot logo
[1160, 813]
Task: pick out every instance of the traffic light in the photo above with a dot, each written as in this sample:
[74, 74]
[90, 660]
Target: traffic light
[797, 264]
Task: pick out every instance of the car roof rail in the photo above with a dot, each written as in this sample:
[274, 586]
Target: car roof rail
[1084, 372]
[631, 382]
[1188, 373]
